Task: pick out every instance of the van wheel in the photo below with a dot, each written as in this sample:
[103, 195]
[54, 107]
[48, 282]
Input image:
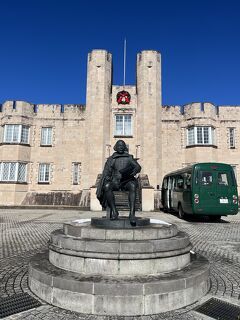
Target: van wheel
[181, 213]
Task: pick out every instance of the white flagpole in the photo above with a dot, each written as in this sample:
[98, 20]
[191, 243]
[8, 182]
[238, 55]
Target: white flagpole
[124, 62]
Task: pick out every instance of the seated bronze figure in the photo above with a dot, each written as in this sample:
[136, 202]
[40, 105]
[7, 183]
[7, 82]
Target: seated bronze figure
[118, 174]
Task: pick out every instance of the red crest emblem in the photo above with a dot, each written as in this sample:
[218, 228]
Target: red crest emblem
[123, 97]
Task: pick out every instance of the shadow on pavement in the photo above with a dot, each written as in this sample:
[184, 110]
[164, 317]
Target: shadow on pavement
[196, 218]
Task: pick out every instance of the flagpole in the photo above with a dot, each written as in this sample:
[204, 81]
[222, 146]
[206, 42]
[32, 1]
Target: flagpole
[124, 62]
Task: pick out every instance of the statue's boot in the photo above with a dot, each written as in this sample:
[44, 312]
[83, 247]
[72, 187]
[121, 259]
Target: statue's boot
[132, 219]
[114, 215]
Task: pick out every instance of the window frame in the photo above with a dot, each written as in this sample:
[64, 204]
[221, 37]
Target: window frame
[45, 166]
[45, 143]
[76, 173]
[200, 136]
[232, 139]
[15, 179]
[18, 131]
[124, 125]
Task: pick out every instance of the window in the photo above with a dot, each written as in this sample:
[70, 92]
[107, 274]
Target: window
[165, 183]
[187, 181]
[16, 133]
[191, 139]
[206, 178]
[222, 179]
[231, 138]
[46, 136]
[22, 172]
[123, 125]
[200, 135]
[13, 171]
[44, 173]
[179, 182]
[235, 171]
[76, 173]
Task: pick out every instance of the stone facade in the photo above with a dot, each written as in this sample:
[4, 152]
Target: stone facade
[175, 122]
[83, 136]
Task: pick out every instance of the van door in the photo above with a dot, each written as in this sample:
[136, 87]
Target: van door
[173, 194]
[165, 193]
[187, 193]
[170, 192]
[225, 190]
[215, 192]
[207, 191]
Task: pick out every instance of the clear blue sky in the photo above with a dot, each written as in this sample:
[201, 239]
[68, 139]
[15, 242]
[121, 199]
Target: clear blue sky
[44, 46]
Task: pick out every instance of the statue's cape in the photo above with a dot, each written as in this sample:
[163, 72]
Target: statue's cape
[108, 170]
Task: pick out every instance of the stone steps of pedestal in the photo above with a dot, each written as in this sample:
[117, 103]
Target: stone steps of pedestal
[120, 249]
[119, 296]
[114, 256]
[121, 200]
[84, 230]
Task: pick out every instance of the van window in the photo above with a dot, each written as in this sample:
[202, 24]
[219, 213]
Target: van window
[179, 180]
[206, 178]
[223, 179]
[165, 184]
[170, 183]
[187, 181]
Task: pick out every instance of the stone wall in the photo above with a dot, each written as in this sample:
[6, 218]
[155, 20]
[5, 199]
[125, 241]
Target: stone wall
[86, 134]
[176, 120]
[68, 140]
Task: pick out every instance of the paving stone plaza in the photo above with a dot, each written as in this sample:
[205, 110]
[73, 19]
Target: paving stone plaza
[25, 232]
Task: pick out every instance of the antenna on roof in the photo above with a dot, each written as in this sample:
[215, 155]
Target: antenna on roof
[124, 62]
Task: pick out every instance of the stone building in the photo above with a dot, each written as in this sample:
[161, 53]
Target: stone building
[52, 154]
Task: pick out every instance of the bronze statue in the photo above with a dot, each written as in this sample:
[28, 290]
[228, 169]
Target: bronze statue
[118, 174]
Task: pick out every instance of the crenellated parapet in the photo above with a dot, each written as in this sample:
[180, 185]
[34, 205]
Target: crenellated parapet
[171, 113]
[200, 110]
[229, 113]
[47, 111]
[200, 113]
[17, 108]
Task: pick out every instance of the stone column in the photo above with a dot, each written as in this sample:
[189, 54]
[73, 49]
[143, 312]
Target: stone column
[149, 113]
[99, 86]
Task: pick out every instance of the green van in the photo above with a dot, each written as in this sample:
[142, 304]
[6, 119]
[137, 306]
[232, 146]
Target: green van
[201, 189]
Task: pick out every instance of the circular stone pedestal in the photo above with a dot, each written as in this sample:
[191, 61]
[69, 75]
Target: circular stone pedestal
[126, 272]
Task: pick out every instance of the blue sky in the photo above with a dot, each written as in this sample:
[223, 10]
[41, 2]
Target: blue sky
[44, 46]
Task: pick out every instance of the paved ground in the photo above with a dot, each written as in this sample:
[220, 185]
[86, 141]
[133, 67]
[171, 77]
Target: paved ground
[26, 232]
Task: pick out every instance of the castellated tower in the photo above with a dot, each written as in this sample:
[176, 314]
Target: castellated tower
[97, 134]
[149, 104]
